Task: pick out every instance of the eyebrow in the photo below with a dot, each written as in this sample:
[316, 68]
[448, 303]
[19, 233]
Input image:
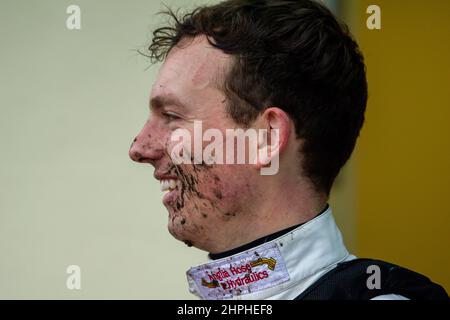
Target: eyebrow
[161, 101]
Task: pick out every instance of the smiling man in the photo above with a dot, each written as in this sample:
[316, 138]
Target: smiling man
[284, 67]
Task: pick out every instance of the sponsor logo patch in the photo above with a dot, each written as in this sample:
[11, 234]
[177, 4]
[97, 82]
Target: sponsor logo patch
[250, 271]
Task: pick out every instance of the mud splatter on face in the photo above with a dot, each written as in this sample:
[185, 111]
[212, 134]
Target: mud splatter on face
[203, 209]
[199, 195]
[229, 215]
[217, 193]
[189, 177]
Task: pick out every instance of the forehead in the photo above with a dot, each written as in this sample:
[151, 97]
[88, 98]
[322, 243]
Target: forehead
[193, 65]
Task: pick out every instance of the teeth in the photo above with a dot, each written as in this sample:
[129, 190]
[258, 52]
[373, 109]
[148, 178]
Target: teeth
[168, 184]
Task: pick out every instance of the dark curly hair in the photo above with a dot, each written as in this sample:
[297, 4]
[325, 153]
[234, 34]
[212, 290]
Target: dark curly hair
[291, 54]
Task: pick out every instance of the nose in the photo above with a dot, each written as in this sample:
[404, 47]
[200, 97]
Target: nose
[134, 154]
[146, 147]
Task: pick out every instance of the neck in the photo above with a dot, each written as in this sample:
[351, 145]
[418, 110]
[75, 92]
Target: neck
[259, 241]
[296, 203]
[276, 211]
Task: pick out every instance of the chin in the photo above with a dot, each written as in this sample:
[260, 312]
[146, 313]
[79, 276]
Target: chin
[190, 240]
[179, 233]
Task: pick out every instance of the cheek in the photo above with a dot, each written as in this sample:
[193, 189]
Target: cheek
[225, 190]
[215, 200]
[230, 181]
[209, 193]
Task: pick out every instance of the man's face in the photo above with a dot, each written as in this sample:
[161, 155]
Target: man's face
[208, 205]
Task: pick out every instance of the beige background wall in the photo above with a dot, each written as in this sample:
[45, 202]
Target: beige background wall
[70, 105]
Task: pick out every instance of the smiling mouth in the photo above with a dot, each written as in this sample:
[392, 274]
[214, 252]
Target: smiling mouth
[170, 187]
[168, 184]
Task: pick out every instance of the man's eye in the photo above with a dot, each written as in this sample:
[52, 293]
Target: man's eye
[170, 116]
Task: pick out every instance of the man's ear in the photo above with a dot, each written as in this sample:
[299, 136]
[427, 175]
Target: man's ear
[273, 141]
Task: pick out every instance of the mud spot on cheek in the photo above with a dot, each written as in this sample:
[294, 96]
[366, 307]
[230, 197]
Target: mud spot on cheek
[230, 214]
[217, 193]
[204, 215]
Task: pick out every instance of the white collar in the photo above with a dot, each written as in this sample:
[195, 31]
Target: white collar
[275, 269]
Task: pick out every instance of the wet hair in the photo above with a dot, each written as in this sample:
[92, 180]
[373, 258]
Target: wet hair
[294, 55]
